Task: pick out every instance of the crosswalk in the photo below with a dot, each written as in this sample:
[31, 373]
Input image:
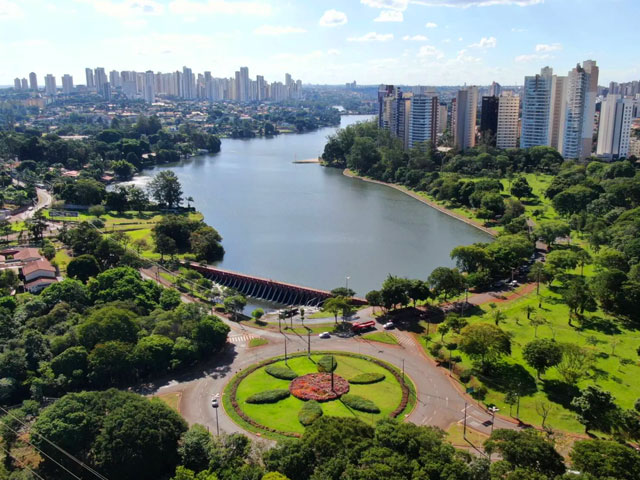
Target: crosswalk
[404, 339]
[240, 339]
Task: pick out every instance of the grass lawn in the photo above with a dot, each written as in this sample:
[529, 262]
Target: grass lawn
[616, 366]
[382, 337]
[455, 435]
[282, 415]
[62, 258]
[256, 342]
[171, 399]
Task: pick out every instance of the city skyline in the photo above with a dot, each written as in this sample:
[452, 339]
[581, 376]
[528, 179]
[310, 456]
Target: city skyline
[418, 42]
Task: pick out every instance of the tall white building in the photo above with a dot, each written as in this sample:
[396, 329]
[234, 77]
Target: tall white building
[25, 84]
[616, 117]
[582, 88]
[442, 118]
[149, 92]
[423, 118]
[33, 81]
[536, 109]
[67, 84]
[16, 84]
[508, 114]
[90, 79]
[114, 79]
[464, 135]
[50, 85]
[243, 94]
[188, 84]
[100, 78]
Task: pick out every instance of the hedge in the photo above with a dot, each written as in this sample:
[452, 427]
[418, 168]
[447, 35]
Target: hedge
[281, 372]
[367, 378]
[269, 396]
[327, 364]
[309, 413]
[358, 403]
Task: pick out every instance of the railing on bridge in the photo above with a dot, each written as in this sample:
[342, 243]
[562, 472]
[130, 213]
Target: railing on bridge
[266, 289]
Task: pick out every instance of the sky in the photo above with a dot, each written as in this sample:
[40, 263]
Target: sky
[415, 42]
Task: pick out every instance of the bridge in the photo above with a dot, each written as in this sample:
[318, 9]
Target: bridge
[266, 289]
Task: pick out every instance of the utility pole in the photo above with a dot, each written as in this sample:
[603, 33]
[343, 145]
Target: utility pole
[285, 351]
[309, 343]
[464, 431]
[331, 367]
[493, 416]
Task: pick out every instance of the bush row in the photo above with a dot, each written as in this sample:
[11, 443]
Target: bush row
[309, 413]
[268, 396]
[359, 403]
[367, 378]
[327, 364]
[281, 372]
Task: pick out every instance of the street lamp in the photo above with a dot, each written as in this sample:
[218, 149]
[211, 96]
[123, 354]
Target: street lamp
[215, 405]
[347, 282]
[493, 411]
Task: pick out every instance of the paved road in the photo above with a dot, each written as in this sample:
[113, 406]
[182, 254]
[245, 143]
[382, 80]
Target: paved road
[44, 200]
[439, 402]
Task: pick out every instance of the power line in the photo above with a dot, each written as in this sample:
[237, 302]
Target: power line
[60, 449]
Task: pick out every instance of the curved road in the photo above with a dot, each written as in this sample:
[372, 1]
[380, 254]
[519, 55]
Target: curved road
[439, 402]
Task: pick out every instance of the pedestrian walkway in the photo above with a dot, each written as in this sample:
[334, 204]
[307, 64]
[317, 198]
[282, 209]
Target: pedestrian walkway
[404, 339]
[240, 338]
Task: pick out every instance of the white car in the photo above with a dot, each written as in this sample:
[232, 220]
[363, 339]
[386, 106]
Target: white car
[325, 335]
[214, 400]
[389, 326]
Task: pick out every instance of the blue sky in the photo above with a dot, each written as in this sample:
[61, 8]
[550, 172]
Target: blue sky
[426, 42]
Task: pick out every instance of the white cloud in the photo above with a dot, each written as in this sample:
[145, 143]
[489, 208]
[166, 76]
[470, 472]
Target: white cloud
[9, 10]
[475, 3]
[431, 25]
[213, 7]
[127, 10]
[485, 42]
[389, 16]
[531, 57]
[332, 18]
[275, 30]
[415, 38]
[518, 30]
[399, 5]
[372, 37]
[430, 51]
[541, 47]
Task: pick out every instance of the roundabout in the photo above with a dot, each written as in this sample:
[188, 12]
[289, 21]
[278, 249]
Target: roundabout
[279, 398]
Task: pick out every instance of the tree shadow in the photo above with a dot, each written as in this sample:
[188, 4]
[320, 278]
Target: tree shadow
[599, 324]
[506, 377]
[560, 392]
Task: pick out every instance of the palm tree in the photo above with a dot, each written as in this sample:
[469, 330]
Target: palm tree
[189, 201]
[529, 309]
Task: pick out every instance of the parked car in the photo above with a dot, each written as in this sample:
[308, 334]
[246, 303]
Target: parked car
[325, 335]
[214, 400]
[389, 326]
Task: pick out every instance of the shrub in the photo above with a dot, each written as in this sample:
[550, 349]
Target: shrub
[268, 396]
[367, 378]
[358, 403]
[434, 349]
[309, 413]
[480, 392]
[465, 376]
[281, 372]
[327, 363]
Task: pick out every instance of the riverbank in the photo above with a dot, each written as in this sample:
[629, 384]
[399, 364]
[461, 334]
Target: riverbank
[431, 203]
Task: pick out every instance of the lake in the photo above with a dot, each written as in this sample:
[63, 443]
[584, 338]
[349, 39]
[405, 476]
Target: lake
[309, 225]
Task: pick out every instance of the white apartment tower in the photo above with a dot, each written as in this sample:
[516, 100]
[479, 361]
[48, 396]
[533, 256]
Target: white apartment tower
[582, 89]
[33, 81]
[616, 116]
[508, 114]
[90, 80]
[67, 84]
[16, 84]
[423, 118]
[50, 85]
[149, 92]
[464, 134]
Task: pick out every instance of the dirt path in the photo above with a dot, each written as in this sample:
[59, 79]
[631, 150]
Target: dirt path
[420, 198]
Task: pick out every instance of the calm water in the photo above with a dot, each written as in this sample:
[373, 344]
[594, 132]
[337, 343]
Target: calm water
[309, 225]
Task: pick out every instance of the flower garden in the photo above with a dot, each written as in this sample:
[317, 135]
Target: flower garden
[278, 399]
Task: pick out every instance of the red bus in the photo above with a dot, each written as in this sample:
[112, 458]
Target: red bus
[361, 326]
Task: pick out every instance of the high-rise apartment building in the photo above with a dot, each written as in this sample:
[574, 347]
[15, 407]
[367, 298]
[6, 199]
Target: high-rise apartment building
[508, 115]
[464, 135]
[423, 111]
[25, 84]
[33, 81]
[489, 119]
[616, 117]
[88, 72]
[188, 84]
[67, 84]
[149, 87]
[50, 85]
[16, 84]
[442, 118]
[395, 112]
[536, 109]
[115, 79]
[582, 88]
[100, 78]
[495, 89]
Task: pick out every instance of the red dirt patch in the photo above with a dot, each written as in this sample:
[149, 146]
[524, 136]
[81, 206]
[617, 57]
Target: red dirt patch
[317, 386]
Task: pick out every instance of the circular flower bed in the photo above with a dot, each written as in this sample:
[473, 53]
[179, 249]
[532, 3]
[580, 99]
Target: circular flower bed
[317, 386]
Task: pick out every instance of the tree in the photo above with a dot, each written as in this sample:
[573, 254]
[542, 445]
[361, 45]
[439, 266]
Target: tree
[374, 298]
[342, 292]
[576, 362]
[418, 291]
[536, 322]
[235, 304]
[455, 322]
[544, 409]
[165, 189]
[520, 188]
[164, 245]
[526, 449]
[484, 341]
[210, 334]
[471, 258]
[140, 244]
[37, 225]
[335, 305]
[605, 459]
[446, 281]
[542, 354]
[205, 244]
[123, 169]
[108, 324]
[578, 297]
[196, 448]
[394, 292]
[595, 408]
[538, 274]
[110, 363]
[549, 230]
[137, 198]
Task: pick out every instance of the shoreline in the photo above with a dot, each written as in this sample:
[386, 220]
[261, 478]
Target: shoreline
[348, 173]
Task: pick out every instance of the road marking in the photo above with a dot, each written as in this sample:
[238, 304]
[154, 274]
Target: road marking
[239, 339]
